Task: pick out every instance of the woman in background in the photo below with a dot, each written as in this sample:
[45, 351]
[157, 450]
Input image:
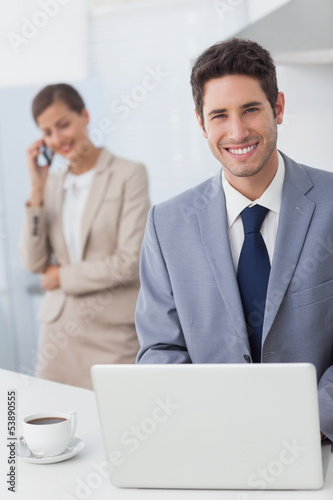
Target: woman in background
[82, 230]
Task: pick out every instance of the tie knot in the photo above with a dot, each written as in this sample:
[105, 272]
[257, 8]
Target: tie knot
[252, 218]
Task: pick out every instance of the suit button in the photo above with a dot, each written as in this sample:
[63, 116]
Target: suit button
[247, 358]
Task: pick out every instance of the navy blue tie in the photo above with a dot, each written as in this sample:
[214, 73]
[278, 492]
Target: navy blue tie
[252, 275]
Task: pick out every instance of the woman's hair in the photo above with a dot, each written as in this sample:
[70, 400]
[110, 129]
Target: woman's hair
[236, 56]
[57, 92]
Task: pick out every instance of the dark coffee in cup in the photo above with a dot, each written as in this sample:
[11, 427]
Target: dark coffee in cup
[48, 433]
[46, 420]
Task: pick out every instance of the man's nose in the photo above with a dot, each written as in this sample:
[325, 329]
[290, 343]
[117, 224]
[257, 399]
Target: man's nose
[238, 130]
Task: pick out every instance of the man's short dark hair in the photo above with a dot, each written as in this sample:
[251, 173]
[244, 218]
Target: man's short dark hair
[236, 56]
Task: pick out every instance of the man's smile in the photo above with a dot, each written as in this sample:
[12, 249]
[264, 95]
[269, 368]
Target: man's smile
[242, 151]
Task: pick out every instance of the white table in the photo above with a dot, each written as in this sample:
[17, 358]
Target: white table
[84, 477]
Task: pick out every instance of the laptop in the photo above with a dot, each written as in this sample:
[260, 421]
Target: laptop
[213, 426]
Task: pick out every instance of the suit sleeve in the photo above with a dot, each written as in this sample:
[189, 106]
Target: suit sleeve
[34, 247]
[325, 393]
[122, 267]
[157, 323]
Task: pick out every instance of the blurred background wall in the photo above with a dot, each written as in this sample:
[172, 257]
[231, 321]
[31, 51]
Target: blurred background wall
[131, 60]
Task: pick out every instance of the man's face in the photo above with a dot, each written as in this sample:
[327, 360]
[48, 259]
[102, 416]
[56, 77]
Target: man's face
[240, 125]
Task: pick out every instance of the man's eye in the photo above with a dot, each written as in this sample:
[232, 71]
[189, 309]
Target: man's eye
[64, 125]
[220, 116]
[251, 110]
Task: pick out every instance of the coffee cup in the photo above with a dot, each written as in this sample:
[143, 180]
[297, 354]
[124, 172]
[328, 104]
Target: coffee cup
[49, 433]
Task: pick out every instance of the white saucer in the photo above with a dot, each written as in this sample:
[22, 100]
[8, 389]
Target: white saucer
[73, 449]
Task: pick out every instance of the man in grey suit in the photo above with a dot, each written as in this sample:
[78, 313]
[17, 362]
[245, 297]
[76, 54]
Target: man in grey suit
[191, 306]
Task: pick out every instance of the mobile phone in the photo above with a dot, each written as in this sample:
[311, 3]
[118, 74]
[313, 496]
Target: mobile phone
[45, 156]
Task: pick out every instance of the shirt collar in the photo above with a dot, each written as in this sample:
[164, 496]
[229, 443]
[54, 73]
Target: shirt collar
[80, 181]
[271, 197]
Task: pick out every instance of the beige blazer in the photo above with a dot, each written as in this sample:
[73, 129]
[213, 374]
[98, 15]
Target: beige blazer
[101, 290]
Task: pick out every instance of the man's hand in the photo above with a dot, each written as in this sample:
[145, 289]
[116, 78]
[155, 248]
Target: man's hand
[50, 279]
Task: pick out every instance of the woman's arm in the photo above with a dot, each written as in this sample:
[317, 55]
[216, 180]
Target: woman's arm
[34, 247]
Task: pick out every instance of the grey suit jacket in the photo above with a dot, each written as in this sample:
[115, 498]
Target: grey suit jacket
[189, 308]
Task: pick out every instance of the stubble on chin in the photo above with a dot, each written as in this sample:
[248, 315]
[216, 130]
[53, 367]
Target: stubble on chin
[242, 171]
[245, 170]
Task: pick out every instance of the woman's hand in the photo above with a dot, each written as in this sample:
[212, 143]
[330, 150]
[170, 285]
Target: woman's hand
[37, 174]
[50, 279]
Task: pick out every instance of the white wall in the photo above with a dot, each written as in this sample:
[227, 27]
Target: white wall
[306, 134]
[42, 41]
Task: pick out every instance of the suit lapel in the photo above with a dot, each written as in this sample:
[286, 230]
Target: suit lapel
[96, 195]
[295, 217]
[214, 236]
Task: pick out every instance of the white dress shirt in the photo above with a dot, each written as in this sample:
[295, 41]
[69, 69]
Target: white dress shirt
[77, 189]
[236, 202]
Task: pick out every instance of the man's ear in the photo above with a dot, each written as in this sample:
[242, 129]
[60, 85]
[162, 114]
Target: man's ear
[200, 124]
[279, 108]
